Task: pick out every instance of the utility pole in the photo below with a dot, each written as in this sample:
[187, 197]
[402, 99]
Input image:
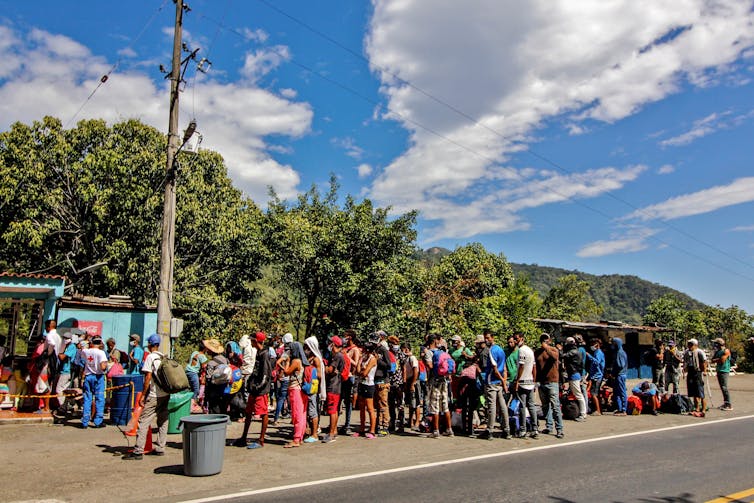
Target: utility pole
[167, 258]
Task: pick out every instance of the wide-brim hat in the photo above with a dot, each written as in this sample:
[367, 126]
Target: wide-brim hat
[213, 345]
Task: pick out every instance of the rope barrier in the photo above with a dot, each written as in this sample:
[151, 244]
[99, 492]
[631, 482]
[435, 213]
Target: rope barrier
[131, 385]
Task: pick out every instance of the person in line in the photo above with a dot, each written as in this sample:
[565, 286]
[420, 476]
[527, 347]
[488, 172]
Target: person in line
[154, 403]
[469, 391]
[395, 397]
[438, 388]
[596, 363]
[333, 379]
[66, 358]
[196, 367]
[496, 387]
[113, 354]
[366, 369]
[511, 366]
[95, 365]
[258, 386]
[217, 378]
[672, 360]
[282, 382]
[695, 365]
[547, 374]
[413, 394]
[721, 359]
[311, 350]
[349, 387]
[524, 386]
[135, 354]
[382, 382]
[573, 366]
[618, 372]
[295, 370]
[655, 358]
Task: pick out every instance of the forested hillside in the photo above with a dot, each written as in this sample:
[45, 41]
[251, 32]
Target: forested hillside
[623, 297]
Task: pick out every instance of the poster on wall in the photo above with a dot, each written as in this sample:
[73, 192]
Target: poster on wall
[92, 327]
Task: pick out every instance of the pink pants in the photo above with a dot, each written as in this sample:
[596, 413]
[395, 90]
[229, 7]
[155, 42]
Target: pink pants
[298, 413]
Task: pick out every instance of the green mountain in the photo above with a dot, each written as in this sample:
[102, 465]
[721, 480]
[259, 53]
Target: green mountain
[623, 297]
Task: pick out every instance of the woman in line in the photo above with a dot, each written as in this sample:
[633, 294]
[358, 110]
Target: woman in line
[294, 368]
[366, 370]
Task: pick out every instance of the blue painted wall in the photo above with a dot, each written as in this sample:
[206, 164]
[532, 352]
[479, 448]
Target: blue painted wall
[116, 324]
[22, 285]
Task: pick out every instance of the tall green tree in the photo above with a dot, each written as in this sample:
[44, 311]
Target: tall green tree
[570, 299]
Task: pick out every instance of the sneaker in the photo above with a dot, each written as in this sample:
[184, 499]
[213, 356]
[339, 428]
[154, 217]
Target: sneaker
[534, 435]
[559, 434]
[546, 431]
[382, 433]
[310, 440]
[579, 419]
[255, 445]
[132, 456]
[434, 434]
[505, 435]
[369, 436]
[101, 425]
[448, 433]
[328, 439]
[726, 407]
[239, 442]
[157, 453]
[520, 434]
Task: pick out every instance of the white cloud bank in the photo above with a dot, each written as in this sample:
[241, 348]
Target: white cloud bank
[49, 74]
[512, 65]
[633, 241]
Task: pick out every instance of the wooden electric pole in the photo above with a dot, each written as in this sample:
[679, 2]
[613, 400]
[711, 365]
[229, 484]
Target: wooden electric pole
[167, 258]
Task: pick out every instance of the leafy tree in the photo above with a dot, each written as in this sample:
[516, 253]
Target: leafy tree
[570, 299]
[334, 267]
[667, 311]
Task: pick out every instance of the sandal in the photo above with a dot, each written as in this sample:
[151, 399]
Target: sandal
[291, 445]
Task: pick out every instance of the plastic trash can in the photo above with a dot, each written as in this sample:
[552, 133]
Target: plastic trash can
[178, 406]
[203, 443]
[120, 400]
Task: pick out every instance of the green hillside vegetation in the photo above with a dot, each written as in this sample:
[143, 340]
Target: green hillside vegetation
[623, 297]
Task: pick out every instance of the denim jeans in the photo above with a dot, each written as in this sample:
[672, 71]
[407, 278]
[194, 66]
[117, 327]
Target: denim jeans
[495, 399]
[193, 379]
[281, 395]
[722, 380]
[549, 395]
[526, 397]
[346, 398]
[94, 385]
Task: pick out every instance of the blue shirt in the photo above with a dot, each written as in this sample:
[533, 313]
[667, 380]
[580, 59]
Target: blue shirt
[596, 364]
[137, 353]
[497, 358]
[70, 353]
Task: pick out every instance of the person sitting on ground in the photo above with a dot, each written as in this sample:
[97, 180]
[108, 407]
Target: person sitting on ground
[154, 401]
[258, 386]
[647, 391]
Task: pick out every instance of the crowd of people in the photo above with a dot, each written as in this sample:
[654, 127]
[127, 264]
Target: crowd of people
[491, 389]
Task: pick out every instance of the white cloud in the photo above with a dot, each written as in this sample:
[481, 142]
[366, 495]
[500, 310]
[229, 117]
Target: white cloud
[633, 241]
[743, 228]
[364, 170]
[666, 169]
[706, 126]
[127, 52]
[260, 62]
[349, 145]
[288, 93]
[257, 35]
[521, 64]
[55, 74]
[704, 201]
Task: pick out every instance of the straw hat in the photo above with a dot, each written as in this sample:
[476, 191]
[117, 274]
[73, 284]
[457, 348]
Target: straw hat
[213, 345]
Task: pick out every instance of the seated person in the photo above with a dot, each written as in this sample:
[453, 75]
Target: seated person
[650, 400]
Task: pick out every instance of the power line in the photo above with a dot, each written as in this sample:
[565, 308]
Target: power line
[106, 76]
[470, 118]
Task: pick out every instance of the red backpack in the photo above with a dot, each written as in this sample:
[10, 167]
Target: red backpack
[346, 372]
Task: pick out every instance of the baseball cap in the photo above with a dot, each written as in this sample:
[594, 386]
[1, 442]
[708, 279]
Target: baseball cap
[135, 337]
[153, 339]
[288, 338]
[336, 341]
[693, 342]
[671, 343]
[375, 337]
[570, 340]
[456, 338]
[479, 339]
[261, 337]
[720, 341]
[67, 335]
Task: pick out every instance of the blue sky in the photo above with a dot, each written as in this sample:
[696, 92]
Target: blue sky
[609, 137]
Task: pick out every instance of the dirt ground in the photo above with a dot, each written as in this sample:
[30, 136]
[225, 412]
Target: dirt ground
[65, 463]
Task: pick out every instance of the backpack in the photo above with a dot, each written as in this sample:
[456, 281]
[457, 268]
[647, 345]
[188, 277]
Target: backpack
[236, 380]
[124, 359]
[170, 376]
[393, 362]
[345, 374]
[442, 363]
[634, 405]
[422, 372]
[222, 374]
[310, 385]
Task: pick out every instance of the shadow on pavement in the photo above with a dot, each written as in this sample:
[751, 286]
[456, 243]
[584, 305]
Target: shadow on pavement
[169, 470]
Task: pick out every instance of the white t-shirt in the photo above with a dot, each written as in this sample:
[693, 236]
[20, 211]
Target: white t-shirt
[526, 358]
[151, 363]
[53, 339]
[92, 358]
[408, 368]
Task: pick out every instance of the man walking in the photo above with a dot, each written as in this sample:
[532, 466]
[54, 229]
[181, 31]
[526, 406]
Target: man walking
[154, 402]
[721, 359]
[547, 374]
[95, 365]
[495, 387]
[523, 386]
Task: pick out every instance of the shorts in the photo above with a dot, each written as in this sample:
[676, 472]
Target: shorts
[312, 409]
[438, 397]
[414, 397]
[695, 385]
[366, 391]
[333, 401]
[258, 405]
[596, 385]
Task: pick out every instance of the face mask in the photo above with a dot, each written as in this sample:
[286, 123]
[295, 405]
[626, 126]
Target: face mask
[396, 348]
[133, 343]
[329, 347]
[594, 348]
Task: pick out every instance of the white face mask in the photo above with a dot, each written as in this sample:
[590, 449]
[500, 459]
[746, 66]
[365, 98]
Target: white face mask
[396, 348]
[594, 348]
[133, 343]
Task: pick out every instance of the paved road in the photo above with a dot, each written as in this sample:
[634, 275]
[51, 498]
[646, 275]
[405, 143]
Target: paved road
[670, 466]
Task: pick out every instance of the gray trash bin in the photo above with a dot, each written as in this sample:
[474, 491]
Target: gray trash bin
[203, 443]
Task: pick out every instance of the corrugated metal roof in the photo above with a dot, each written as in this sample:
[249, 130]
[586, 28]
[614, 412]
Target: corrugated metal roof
[121, 301]
[606, 325]
[30, 275]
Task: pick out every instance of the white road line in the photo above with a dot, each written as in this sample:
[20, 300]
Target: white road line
[425, 466]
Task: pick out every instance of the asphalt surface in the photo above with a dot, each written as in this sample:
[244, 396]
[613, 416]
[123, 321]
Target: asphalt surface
[684, 465]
